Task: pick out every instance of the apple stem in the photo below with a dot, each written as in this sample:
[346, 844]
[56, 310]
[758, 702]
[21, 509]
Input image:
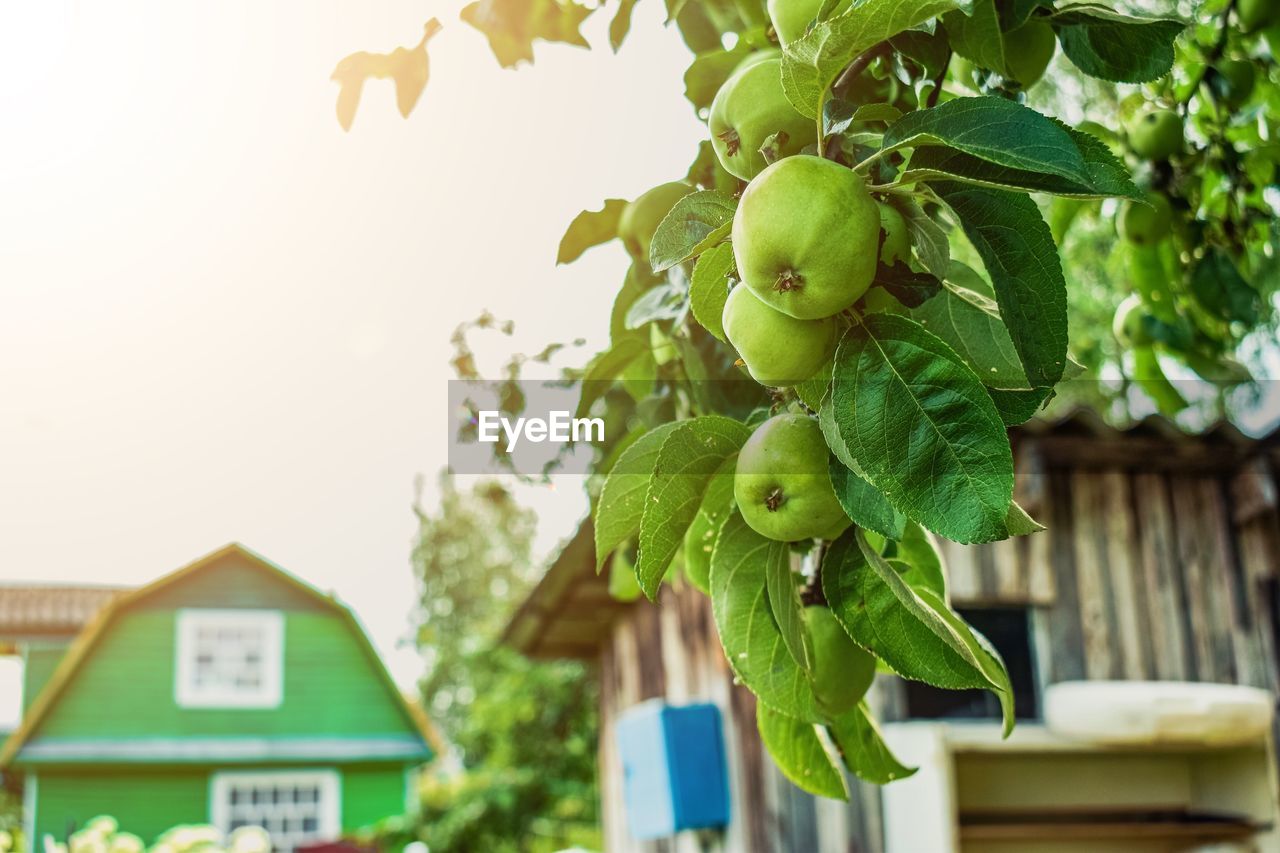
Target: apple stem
[774, 499]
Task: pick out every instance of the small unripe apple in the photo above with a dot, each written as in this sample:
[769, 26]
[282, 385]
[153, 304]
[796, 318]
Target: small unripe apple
[1156, 135]
[843, 670]
[1145, 224]
[779, 350]
[806, 237]
[1130, 324]
[896, 243]
[641, 217]
[749, 108]
[791, 18]
[782, 484]
[1028, 50]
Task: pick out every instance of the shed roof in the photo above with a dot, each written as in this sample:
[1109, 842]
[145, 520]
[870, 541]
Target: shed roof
[32, 611]
[567, 613]
[96, 628]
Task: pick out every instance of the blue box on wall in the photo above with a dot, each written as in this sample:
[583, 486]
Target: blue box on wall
[673, 768]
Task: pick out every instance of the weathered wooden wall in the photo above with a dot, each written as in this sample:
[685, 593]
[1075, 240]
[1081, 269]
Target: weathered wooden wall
[1161, 561]
[671, 651]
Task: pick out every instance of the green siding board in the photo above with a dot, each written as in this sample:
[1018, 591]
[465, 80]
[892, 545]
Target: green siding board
[145, 803]
[370, 794]
[233, 581]
[148, 802]
[125, 687]
[39, 660]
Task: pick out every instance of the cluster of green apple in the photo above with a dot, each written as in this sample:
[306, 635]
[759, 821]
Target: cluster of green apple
[1176, 229]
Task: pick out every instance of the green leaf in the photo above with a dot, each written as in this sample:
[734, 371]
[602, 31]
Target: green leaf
[637, 282]
[916, 549]
[788, 610]
[909, 287]
[982, 650]
[922, 427]
[1019, 523]
[813, 390]
[620, 508]
[666, 301]
[865, 753]
[801, 754]
[513, 27]
[932, 246]
[1112, 46]
[910, 629]
[1018, 251]
[812, 63]
[696, 223]
[689, 457]
[606, 367]
[863, 503]
[977, 37]
[1218, 286]
[995, 130]
[620, 25]
[752, 643]
[590, 228]
[1105, 175]
[709, 288]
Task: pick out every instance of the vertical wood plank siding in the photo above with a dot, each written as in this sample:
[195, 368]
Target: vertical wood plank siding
[1154, 566]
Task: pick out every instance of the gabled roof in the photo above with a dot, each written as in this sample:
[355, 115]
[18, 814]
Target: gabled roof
[84, 644]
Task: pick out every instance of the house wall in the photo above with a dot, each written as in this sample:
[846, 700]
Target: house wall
[149, 801]
[125, 688]
[39, 660]
[1159, 564]
[146, 802]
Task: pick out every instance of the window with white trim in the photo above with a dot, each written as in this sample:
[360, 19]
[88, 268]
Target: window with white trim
[229, 658]
[294, 807]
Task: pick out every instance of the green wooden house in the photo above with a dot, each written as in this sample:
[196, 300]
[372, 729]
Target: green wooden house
[228, 692]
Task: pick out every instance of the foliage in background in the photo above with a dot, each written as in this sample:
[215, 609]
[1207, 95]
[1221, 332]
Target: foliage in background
[523, 774]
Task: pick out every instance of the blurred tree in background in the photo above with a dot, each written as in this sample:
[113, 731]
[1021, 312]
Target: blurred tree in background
[522, 774]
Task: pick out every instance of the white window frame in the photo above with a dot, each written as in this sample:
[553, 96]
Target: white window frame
[269, 694]
[328, 780]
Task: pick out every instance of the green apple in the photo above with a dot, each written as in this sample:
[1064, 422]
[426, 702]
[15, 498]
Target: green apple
[781, 482]
[1130, 324]
[1027, 51]
[758, 56]
[792, 18]
[641, 217]
[749, 108]
[1257, 14]
[1238, 76]
[842, 670]
[806, 236]
[779, 351]
[896, 245]
[1145, 224]
[1156, 135]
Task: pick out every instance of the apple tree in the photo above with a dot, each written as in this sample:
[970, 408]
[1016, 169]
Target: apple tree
[830, 323]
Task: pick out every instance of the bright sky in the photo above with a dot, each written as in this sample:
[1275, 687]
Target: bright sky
[222, 318]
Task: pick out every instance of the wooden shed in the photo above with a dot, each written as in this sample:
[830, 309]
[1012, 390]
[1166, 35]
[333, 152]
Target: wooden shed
[1161, 562]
